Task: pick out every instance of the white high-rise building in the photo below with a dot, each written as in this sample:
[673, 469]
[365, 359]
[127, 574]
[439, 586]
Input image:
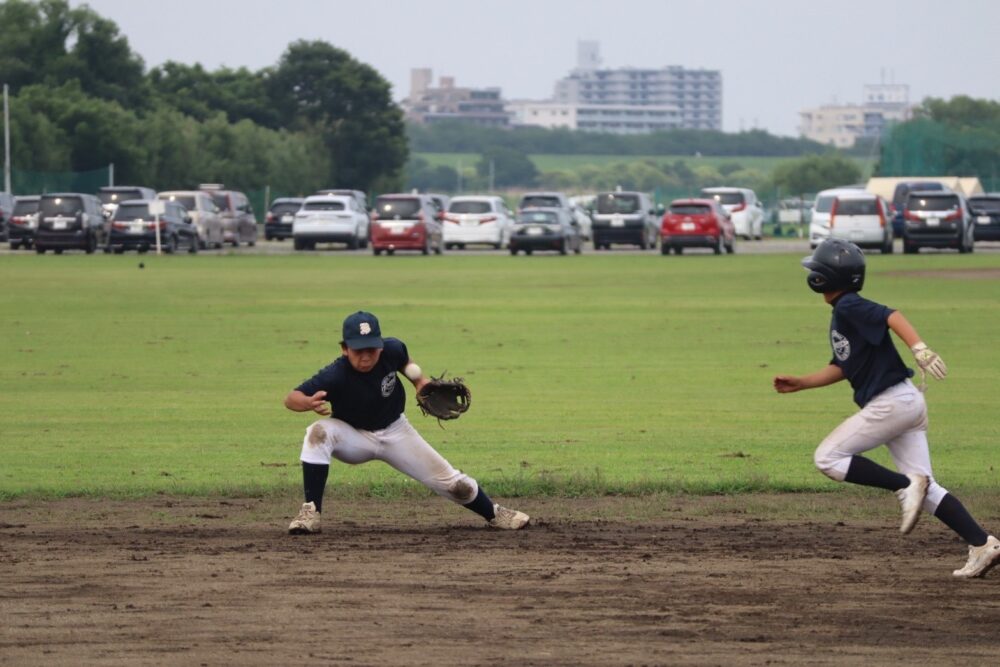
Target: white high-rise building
[695, 94]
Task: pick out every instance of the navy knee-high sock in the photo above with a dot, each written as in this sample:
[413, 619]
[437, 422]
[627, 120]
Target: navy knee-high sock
[482, 505]
[314, 482]
[954, 515]
[868, 473]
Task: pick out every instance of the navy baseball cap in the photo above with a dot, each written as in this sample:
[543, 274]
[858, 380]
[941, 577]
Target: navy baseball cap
[361, 331]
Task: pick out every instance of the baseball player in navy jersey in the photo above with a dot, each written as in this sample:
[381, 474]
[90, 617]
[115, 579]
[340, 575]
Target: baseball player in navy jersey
[893, 411]
[367, 423]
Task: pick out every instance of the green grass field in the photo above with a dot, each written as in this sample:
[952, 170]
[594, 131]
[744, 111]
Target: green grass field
[573, 162]
[590, 375]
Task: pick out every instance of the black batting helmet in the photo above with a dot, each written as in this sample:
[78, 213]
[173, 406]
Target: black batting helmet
[835, 265]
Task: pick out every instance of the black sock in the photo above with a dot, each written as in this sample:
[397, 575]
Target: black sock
[954, 515]
[314, 482]
[482, 505]
[868, 473]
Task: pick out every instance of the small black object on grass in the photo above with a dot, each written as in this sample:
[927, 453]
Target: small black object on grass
[142, 265]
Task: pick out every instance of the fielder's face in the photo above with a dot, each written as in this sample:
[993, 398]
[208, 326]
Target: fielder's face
[362, 360]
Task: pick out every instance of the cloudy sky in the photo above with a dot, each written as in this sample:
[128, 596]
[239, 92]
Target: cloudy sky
[776, 56]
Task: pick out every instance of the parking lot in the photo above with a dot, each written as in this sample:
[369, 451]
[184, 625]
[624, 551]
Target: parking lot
[766, 247]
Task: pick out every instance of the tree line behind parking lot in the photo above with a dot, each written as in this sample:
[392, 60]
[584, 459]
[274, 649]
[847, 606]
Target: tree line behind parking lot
[82, 99]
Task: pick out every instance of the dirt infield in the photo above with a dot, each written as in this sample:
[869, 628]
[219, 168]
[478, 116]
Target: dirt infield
[662, 580]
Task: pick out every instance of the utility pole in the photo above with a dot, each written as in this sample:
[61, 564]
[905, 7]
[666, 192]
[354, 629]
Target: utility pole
[111, 173]
[492, 174]
[6, 141]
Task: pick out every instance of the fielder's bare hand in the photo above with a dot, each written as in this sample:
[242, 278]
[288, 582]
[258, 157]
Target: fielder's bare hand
[300, 402]
[786, 384]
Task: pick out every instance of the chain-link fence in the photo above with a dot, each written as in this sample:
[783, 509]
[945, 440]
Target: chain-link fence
[24, 182]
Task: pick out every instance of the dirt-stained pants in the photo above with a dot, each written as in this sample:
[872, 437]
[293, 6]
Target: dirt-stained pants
[896, 418]
[398, 444]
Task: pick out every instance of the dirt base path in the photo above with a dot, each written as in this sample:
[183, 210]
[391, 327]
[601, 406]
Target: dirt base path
[692, 581]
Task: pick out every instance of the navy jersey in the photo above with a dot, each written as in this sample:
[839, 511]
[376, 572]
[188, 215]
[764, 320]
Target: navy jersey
[863, 348]
[368, 401]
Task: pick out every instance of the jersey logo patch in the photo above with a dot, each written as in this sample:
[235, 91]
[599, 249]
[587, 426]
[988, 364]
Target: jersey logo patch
[388, 384]
[841, 346]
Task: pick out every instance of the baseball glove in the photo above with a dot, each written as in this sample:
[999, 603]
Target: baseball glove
[444, 399]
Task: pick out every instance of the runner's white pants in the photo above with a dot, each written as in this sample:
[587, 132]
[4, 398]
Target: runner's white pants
[896, 418]
[398, 444]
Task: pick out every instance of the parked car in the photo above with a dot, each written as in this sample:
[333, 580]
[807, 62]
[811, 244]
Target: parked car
[238, 222]
[558, 200]
[472, 220]
[625, 217]
[545, 229]
[278, 222]
[697, 223]
[204, 215]
[937, 219]
[330, 219]
[23, 222]
[819, 223]
[985, 211]
[133, 227]
[112, 195]
[405, 222]
[863, 219]
[6, 213]
[901, 194]
[745, 210]
[358, 195]
[68, 220]
[794, 211]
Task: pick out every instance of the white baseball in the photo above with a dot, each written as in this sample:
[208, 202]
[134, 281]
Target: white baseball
[412, 371]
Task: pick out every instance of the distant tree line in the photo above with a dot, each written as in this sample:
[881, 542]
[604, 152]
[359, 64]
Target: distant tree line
[81, 98]
[457, 137]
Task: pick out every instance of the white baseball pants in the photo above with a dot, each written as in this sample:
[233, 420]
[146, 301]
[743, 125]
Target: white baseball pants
[398, 444]
[896, 418]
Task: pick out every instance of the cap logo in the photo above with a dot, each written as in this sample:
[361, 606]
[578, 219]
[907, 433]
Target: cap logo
[365, 328]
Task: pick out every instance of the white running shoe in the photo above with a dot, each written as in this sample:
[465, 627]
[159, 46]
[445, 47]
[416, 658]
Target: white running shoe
[307, 522]
[911, 500]
[506, 519]
[981, 559]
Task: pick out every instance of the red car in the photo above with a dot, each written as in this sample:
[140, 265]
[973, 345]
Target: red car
[406, 222]
[696, 223]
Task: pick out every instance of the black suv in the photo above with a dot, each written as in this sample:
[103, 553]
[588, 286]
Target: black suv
[899, 197]
[936, 219]
[985, 210]
[281, 215]
[69, 220]
[133, 227]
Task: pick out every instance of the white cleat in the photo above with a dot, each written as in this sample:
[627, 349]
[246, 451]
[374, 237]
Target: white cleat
[307, 522]
[981, 559]
[911, 500]
[506, 519]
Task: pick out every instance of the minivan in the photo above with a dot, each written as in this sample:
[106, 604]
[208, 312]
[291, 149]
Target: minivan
[624, 217]
[863, 219]
[133, 227]
[238, 222]
[937, 219]
[900, 195]
[69, 220]
[819, 223]
[112, 195]
[405, 222]
[744, 209]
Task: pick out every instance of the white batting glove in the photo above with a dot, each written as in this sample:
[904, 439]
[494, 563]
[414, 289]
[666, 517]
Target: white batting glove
[929, 362]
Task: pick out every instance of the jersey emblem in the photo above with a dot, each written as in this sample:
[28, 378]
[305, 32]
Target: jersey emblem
[365, 328]
[841, 346]
[388, 384]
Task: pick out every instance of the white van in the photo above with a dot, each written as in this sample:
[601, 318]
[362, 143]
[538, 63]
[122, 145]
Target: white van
[819, 224]
[863, 219]
[477, 220]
